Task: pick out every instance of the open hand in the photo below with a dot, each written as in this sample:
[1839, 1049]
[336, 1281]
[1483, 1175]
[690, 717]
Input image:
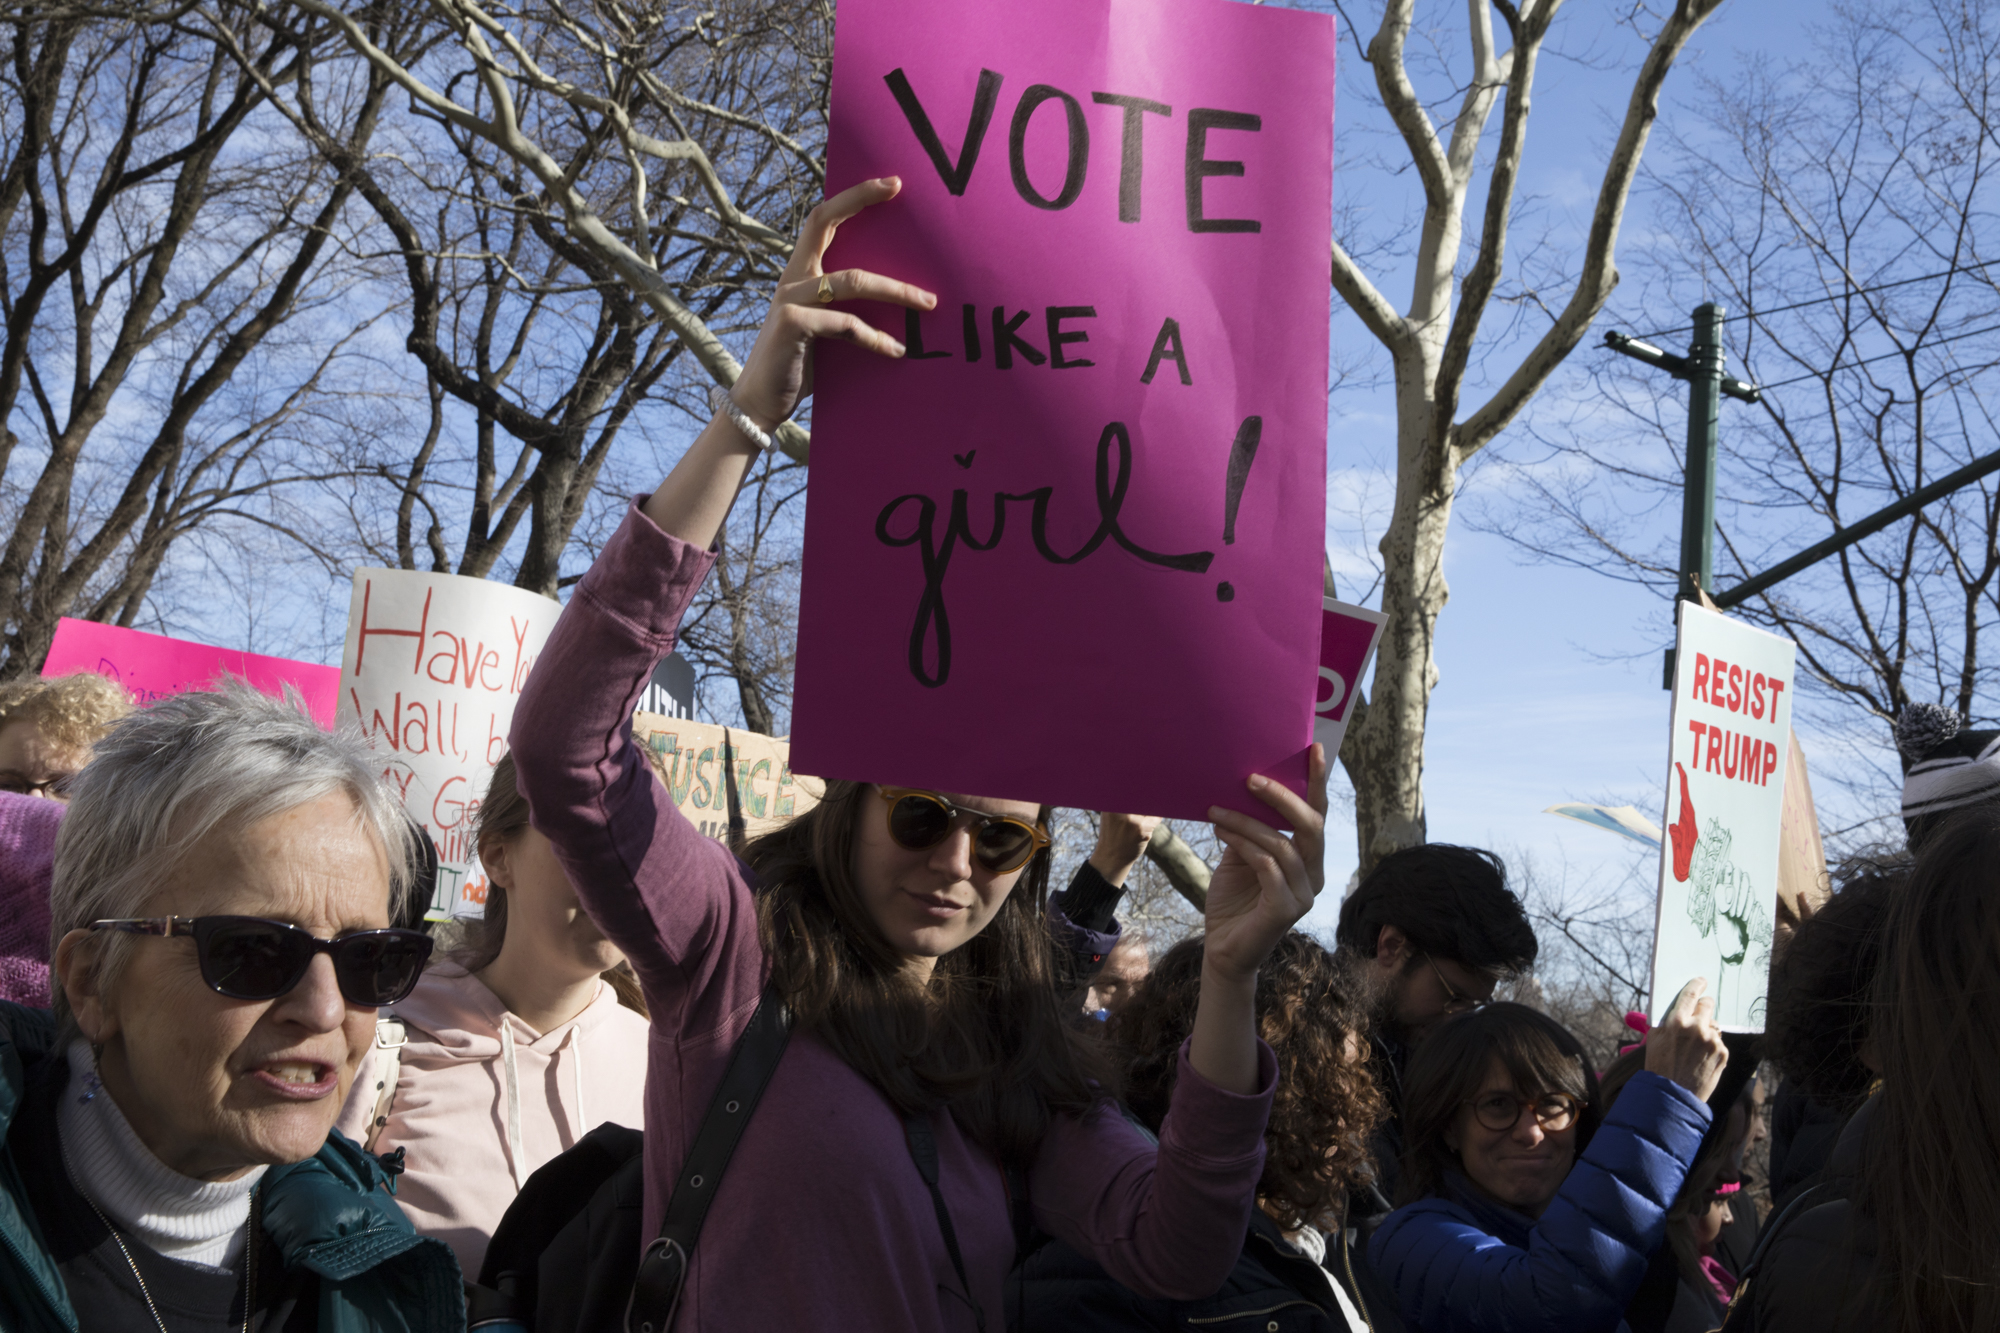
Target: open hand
[778, 374]
[1266, 881]
[1686, 1046]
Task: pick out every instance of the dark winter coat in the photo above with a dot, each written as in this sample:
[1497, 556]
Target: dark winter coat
[1817, 1265]
[1272, 1287]
[352, 1263]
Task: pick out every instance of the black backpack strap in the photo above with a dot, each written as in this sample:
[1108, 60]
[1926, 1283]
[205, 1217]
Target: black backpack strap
[1738, 1318]
[656, 1292]
[923, 1151]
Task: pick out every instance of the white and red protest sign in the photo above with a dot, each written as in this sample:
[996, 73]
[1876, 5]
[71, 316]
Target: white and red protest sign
[1095, 488]
[431, 670]
[153, 666]
[1731, 742]
[1347, 639]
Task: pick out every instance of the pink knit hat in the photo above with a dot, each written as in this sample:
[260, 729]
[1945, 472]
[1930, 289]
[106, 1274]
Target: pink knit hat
[28, 827]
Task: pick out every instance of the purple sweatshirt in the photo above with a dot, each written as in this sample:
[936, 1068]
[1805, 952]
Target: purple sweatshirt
[822, 1221]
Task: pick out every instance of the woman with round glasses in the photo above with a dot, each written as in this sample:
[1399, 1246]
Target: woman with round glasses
[932, 1071]
[1524, 1206]
[223, 887]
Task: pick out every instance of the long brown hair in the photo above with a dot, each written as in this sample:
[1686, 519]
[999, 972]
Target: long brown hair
[1327, 1106]
[503, 814]
[987, 1039]
[1930, 1175]
[1538, 1053]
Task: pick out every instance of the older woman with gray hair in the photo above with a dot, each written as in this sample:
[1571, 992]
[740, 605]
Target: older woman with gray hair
[222, 900]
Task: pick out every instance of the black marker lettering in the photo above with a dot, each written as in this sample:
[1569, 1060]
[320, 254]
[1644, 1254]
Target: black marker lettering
[954, 176]
[971, 333]
[1131, 156]
[1058, 338]
[1167, 347]
[930, 633]
[1199, 166]
[913, 338]
[1006, 341]
[1079, 147]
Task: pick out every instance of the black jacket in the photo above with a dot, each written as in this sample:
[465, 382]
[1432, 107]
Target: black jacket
[1272, 1287]
[1815, 1271]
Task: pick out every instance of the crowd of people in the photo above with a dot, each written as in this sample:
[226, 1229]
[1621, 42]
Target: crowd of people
[871, 1071]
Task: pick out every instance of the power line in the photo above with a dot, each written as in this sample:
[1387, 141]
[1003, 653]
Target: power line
[1827, 300]
[1886, 356]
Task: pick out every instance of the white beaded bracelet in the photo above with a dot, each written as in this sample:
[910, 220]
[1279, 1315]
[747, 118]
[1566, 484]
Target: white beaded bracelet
[720, 400]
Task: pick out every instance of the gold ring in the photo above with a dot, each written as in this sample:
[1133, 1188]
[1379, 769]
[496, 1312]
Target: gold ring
[825, 289]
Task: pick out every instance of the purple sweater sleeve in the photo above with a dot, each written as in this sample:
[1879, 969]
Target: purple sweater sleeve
[677, 903]
[1167, 1222]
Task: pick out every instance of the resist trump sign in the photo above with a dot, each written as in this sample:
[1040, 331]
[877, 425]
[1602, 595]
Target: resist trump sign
[1084, 515]
[1725, 810]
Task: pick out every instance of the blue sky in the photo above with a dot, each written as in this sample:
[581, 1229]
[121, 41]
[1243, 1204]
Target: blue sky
[1549, 676]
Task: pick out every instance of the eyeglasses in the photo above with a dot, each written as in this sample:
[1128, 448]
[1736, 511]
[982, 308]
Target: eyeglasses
[1455, 1000]
[920, 820]
[1501, 1111]
[55, 788]
[250, 958]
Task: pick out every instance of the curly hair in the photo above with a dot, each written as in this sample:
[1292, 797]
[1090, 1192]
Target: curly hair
[72, 712]
[1327, 1102]
[1821, 984]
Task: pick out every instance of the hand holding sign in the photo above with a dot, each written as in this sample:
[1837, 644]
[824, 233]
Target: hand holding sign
[696, 497]
[1686, 1045]
[1266, 880]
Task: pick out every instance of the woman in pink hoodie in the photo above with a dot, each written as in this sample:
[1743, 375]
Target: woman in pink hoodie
[515, 1047]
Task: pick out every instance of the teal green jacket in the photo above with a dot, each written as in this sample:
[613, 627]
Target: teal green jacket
[330, 1215]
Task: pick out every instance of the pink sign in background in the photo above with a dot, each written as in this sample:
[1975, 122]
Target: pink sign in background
[1069, 549]
[1347, 638]
[152, 666]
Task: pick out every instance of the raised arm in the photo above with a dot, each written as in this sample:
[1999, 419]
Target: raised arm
[695, 498]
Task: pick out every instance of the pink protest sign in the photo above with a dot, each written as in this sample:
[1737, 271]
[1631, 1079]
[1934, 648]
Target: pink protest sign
[1091, 500]
[152, 666]
[1347, 637]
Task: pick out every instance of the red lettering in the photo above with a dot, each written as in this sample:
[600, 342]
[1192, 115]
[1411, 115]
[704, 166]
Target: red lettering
[1715, 749]
[1701, 678]
[451, 656]
[420, 633]
[1735, 688]
[1732, 751]
[420, 722]
[1698, 728]
[1770, 762]
[449, 814]
[1757, 695]
[1777, 688]
[386, 731]
[491, 658]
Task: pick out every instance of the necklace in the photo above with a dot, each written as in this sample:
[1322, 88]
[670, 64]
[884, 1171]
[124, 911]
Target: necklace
[249, 1250]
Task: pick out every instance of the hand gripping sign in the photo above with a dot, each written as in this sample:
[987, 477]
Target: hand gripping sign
[1090, 501]
[1731, 741]
[431, 670]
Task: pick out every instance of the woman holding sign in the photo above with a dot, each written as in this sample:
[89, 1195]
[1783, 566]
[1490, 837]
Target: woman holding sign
[932, 1078]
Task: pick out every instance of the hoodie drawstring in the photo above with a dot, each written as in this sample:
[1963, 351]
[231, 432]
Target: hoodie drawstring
[515, 1154]
[576, 1064]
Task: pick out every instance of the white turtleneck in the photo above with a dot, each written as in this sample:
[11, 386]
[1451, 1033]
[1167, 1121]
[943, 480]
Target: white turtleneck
[194, 1221]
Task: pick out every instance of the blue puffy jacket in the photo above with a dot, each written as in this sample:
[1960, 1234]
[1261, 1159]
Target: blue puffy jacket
[1461, 1264]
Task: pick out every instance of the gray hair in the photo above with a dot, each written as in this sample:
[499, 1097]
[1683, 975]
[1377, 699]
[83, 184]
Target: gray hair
[165, 778]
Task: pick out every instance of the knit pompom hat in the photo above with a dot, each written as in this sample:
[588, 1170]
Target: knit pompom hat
[1945, 766]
